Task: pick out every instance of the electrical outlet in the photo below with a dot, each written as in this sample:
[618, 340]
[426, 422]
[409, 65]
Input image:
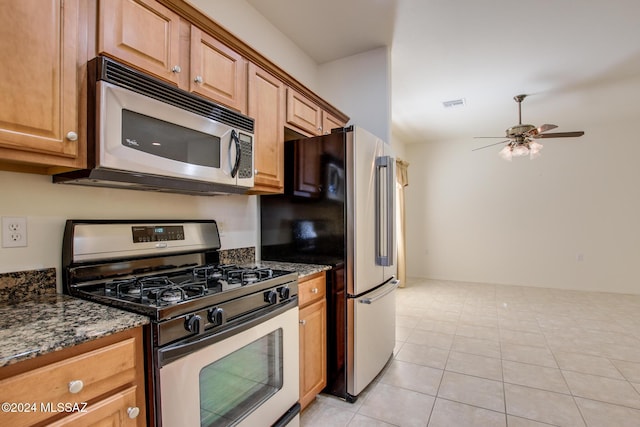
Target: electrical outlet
[14, 232]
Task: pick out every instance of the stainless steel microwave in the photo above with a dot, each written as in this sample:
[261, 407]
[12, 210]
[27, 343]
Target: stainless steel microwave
[149, 135]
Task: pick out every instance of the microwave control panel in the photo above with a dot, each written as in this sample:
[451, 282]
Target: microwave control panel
[144, 234]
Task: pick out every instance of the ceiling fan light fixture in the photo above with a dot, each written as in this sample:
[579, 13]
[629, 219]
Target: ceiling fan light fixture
[505, 153]
[520, 150]
[521, 137]
[534, 149]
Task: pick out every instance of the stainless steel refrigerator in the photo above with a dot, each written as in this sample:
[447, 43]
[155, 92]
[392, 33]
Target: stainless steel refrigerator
[338, 208]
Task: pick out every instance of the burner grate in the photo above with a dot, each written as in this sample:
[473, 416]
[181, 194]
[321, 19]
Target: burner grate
[158, 290]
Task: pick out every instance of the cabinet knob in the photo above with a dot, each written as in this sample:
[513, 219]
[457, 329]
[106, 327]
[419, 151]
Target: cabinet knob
[255, 172]
[75, 386]
[176, 69]
[133, 412]
[303, 322]
[314, 290]
[198, 80]
[72, 136]
[320, 130]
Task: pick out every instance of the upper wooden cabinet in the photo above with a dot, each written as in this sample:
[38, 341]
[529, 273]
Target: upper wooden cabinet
[305, 115]
[267, 106]
[330, 122]
[144, 34]
[149, 36]
[39, 85]
[217, 72]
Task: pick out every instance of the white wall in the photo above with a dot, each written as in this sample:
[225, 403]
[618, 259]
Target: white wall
[360, 85]
[566, 220]
[47, 206]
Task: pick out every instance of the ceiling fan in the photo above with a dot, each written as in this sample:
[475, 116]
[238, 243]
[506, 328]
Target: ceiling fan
[521, 139]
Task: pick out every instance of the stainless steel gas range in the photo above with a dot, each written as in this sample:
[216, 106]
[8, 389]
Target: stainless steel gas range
[223, 341]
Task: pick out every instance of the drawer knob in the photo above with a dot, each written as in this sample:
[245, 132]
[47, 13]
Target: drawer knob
[72, 136]
[176, 69]
[198, 80]
[133, 412]
[76, 386]
[314, 290]
[303, 322]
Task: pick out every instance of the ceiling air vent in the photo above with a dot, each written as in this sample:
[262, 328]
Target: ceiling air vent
[454, 103]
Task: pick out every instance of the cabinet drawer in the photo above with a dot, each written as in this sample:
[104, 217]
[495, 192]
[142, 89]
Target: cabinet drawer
[312, 289]
[121, 409]
[100, 371]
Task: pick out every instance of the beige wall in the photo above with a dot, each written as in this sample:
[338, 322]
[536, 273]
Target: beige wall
[361, 85]
[566, 220]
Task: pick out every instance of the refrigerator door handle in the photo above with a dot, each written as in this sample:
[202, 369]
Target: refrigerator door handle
[395, 283]
[385, 210]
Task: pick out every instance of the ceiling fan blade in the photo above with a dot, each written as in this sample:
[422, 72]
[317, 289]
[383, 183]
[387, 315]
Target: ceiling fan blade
[545, 127]
[559, 135]
[477, 137]
[490, 145]
[540, 129]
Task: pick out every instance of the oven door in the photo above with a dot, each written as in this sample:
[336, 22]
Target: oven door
[139, 134]
[247, 376]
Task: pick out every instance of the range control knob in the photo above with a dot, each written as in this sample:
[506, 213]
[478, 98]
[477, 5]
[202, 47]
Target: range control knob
[271, 296]
[284, 292]
[193, 324]
[216, 316]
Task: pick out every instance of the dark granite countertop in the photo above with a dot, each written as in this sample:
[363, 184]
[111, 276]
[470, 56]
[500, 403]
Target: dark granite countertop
[37, 326]
[302, 269]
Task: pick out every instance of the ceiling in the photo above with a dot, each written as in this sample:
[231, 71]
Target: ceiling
[578, 60]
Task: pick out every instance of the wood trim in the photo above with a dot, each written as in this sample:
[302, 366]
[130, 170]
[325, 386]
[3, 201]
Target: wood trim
[202, 21]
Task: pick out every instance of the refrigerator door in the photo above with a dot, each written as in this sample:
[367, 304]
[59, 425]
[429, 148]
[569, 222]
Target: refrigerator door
[373, 335]
[370, 211]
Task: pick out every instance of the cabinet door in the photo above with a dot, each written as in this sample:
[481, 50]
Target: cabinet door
[313, 350]
[217, 72]
[142, 33]
[303, 113]
[330, 122]
[307, 180]
[39, 82]
[266, 106]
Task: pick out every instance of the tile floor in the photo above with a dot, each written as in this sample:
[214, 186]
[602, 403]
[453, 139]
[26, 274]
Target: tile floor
[491, 355]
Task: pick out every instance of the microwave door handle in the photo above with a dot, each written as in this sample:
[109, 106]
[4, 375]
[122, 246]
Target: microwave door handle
[236, 165]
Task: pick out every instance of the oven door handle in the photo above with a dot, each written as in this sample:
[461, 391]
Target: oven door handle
[174, 352]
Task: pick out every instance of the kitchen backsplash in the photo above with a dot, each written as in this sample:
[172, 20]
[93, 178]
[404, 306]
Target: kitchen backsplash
[238, 256]
[22, 285]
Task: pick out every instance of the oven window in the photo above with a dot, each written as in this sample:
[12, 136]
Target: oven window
[168, 140]
[232, 387]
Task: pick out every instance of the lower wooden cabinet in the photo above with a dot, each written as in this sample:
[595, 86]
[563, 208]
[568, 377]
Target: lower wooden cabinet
[313, 337]
[100, 382]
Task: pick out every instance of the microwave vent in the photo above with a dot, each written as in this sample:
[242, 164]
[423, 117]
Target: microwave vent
[136, 81]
